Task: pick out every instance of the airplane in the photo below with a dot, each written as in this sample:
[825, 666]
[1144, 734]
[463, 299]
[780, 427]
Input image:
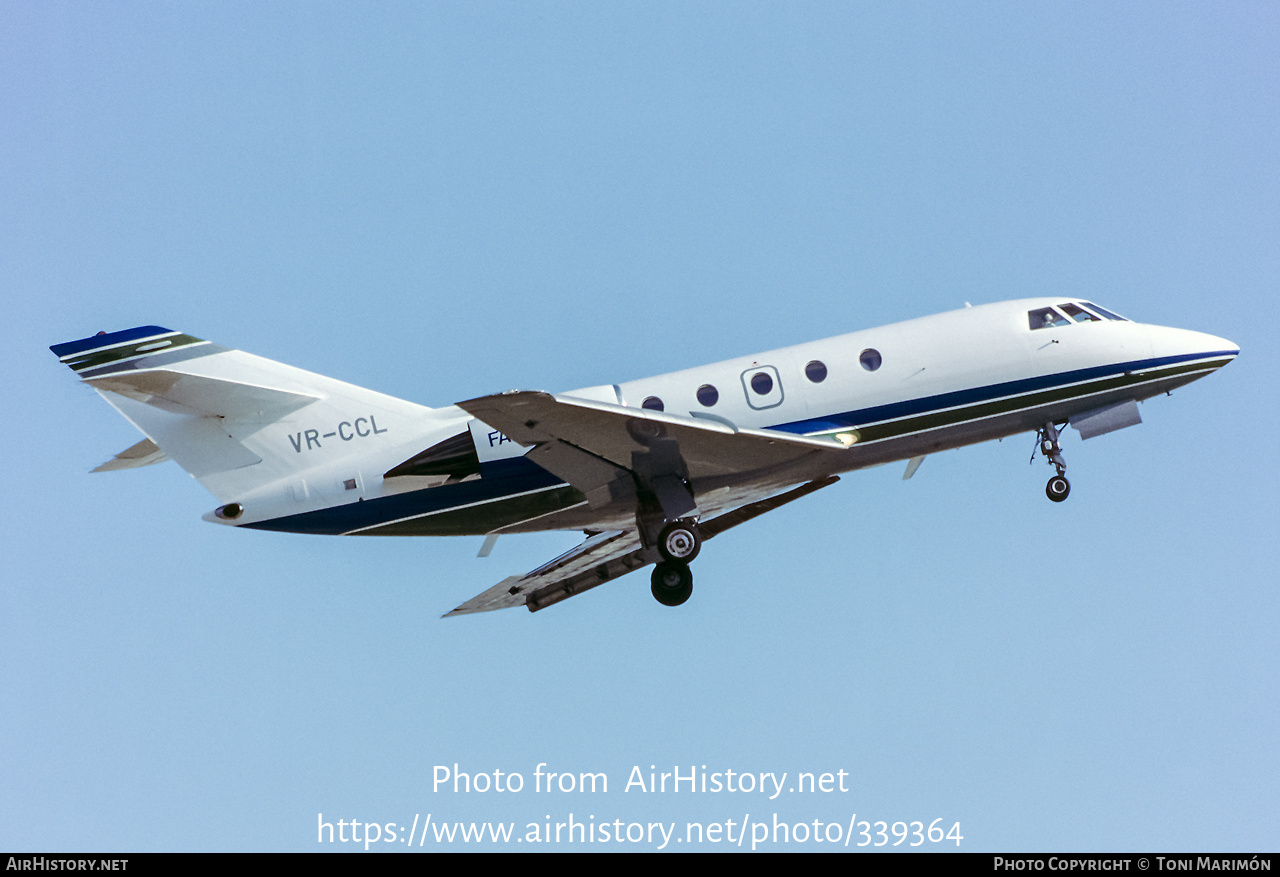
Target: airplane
[648, 469]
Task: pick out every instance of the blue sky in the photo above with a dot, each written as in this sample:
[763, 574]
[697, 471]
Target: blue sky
[443, 200]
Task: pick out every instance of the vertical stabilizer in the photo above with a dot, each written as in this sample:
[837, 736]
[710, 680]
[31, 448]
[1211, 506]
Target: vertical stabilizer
[235, 421]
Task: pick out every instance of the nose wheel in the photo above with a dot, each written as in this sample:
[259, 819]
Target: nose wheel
[1058, 488]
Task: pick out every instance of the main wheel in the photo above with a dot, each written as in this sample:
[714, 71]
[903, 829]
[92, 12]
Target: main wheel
[679, 542]
[671, 583]
[1058, 488]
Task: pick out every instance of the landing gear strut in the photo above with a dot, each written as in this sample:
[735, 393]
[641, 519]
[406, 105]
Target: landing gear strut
[1058, 487]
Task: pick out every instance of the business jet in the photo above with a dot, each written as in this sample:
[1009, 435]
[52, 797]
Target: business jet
[647, 469]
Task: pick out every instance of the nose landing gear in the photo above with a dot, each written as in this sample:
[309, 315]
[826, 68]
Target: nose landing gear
[1058, 487]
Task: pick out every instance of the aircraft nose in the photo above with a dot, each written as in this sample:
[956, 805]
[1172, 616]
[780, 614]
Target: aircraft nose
[1186, 344]
[1227, 348]
[1212, 345]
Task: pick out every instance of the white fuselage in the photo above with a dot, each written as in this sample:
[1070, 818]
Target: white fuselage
[893, 393]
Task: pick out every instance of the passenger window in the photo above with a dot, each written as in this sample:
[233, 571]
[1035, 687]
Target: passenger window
[708, 395]
[763, 386]
[1080, 315]
[1045, 318]
[816, 371]
[653, 403]
[870, 359]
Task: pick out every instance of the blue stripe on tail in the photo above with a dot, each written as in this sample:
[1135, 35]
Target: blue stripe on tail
[107, 339]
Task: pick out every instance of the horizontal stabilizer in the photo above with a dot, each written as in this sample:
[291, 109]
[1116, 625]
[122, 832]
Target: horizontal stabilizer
[181, 393]
[199, 444]
[144, 453]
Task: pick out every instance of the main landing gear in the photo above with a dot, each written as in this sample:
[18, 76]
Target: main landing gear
[679, 543]
[1058, 487]
[671, 583]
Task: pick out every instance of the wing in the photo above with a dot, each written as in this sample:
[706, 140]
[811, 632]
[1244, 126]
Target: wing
[614, 433]
[726, 474]
[607, 451]
[602, 557]
[606, 556]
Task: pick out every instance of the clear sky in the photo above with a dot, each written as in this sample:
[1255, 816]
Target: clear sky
[443, 200]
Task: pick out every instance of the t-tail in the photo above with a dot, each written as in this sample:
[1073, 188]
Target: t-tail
[240, 424]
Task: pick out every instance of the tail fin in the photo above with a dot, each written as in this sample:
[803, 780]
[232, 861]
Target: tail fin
[235, 421]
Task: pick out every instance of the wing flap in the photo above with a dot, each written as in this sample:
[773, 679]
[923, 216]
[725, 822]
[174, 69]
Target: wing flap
[504, 595]
[579, 569]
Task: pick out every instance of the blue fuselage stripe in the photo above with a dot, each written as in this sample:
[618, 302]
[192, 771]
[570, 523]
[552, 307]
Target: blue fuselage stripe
[517, 475]
[959, 398]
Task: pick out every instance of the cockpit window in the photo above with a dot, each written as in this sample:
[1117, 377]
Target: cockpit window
[1080, 315]
[1044, 318]
[1106, 313]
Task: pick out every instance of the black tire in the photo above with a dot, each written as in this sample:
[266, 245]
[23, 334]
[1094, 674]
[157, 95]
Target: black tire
[1058, 488]
[671, 583]
[679, 542]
